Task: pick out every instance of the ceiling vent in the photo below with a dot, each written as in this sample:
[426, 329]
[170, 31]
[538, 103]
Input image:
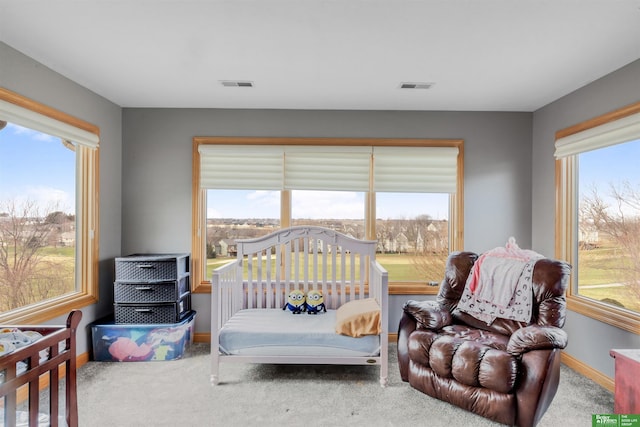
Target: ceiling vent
[236, 83]
[414, 85]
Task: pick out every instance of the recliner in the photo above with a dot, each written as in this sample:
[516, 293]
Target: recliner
[507, 371]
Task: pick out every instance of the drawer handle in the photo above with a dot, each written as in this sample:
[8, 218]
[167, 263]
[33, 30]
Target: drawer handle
[143, 310]
[144, 265]
[144, 288]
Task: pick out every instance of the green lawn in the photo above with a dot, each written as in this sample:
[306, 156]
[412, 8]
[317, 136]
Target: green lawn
[601, 266]
[597, 267]
[399, 266]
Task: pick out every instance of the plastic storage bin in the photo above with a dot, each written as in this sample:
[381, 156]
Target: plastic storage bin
[143, 342]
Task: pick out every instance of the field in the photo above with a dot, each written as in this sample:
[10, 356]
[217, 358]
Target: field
[400, 267]
[598, 274]
[600, 277]
[50, 276]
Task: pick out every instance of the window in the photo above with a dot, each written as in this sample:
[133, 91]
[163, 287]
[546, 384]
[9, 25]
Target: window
[237, 214]
[48, 211]
[598, 216]
[332, 183]
[412, 230]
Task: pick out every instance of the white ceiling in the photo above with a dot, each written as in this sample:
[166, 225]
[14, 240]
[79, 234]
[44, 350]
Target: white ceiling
[498, 55]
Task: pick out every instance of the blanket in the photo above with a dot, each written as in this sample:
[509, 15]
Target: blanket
[500, 285]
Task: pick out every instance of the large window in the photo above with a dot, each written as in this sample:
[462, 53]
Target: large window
[246, 187]
[48, 214]
[598, 228]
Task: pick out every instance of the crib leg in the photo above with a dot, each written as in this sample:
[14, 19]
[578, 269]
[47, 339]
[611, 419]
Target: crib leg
[384, 381]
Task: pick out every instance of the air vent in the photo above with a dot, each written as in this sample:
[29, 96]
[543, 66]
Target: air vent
[236, 83]
[410, 85]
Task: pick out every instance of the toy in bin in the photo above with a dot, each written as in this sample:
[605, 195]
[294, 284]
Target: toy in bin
[142, 342]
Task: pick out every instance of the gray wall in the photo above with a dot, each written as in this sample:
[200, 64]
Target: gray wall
[156, 173]
[589, 340]
[21, 74]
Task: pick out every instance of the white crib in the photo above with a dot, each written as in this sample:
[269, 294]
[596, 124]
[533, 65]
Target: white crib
[267, 269]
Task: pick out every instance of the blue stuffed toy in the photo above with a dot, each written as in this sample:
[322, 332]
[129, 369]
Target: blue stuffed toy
[296, 302]
[315, 302]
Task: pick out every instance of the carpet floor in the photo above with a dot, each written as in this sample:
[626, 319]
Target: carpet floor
[178, 393]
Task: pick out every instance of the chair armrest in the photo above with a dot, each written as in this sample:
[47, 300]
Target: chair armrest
[429, 314]
[535, 337]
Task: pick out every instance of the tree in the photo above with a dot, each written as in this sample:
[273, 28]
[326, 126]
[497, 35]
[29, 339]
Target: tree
[617, 217]
[431, 257]
[26, 275]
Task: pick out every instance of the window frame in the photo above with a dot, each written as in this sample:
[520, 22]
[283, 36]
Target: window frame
[87, 221]
[566, 239]
[199, 202]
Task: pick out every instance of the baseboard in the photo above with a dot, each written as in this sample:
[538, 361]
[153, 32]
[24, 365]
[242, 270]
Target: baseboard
[202, 337]
[588, 371]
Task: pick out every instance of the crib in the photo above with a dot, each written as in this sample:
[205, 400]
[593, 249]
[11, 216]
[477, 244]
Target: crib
[44, 359]
[250, 322]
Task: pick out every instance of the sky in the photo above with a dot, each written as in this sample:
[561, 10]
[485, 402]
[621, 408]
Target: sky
[334, 204]
[595, 170]
[36, 167]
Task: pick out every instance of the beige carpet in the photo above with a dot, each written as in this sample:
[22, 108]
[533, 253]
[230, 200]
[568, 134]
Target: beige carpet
[178, 393]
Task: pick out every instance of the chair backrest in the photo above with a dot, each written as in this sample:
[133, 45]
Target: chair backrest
[550, 280]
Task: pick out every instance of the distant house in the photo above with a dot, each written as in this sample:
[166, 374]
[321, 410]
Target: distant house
[68, 238]
[226, 247]
[398, 243]
[588, 236]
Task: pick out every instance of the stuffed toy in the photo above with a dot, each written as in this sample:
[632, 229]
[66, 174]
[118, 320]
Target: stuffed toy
[296, 302]
[315, 302]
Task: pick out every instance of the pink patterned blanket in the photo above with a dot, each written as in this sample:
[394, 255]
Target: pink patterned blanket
[499, 285]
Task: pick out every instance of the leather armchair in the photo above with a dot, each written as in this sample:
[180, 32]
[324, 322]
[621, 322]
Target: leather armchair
[507, 371]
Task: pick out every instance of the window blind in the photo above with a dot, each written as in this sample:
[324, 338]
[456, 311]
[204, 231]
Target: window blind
[415, 169]
[327, 168]
[241, 167]
[616, 132]
[333, 168]
[21, 116]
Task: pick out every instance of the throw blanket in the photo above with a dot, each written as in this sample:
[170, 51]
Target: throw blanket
[500, 285]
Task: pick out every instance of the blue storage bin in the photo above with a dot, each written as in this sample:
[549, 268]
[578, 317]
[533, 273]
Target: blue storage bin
[141, 342]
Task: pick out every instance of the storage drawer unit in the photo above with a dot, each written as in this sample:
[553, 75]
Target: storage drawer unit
[144, 268]
[152, 313]
[152, 288]
[168, 291]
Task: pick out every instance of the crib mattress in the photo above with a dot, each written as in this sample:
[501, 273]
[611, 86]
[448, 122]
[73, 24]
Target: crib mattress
[276, 332]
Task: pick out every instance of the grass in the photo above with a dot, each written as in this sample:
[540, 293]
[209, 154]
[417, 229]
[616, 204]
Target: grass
[399, 266]
[597, 267]
[602, 266]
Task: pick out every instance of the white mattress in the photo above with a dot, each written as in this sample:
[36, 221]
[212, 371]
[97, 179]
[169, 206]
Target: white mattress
[276, 332]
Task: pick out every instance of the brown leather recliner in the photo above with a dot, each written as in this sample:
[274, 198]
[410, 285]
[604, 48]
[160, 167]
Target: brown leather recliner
[508, 371]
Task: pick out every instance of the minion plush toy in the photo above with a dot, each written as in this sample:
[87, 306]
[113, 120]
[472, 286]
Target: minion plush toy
[296, 302]
[315, 302]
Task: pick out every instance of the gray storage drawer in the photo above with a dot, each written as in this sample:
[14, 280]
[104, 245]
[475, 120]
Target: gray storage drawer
[151, 267]
[150, 292]
[152, 313]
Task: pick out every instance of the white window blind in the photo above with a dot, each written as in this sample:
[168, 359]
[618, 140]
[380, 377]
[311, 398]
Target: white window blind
[415, 169]
[332, 168]
[241, 167]
[20, 116]
[616, 132]
[327, 168]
